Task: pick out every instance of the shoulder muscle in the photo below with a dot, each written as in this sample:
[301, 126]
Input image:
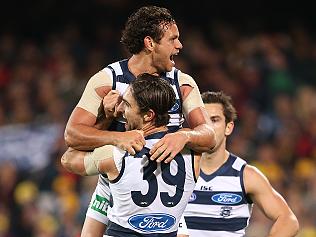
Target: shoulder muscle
[97, 87]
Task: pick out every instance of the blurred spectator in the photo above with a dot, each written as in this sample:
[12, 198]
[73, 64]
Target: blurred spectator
[271, 74]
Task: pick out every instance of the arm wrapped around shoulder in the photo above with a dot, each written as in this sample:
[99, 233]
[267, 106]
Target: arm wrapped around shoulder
[92, 159]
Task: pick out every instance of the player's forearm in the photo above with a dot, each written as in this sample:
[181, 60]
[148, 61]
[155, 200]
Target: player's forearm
[200, 139]
[73, 161]
[285, 226]
[82, 137]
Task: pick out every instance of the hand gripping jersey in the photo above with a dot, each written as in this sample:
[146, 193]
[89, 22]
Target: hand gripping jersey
[121, 77]
[219, 206]
[150, 197]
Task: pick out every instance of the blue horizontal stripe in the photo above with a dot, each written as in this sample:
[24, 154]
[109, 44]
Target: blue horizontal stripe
[205, 198]
[216, 224]
[173, 128]
[124, 79]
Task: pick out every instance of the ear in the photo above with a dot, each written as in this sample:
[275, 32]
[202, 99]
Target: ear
[149, 43]
[149, 116]
[229, 128]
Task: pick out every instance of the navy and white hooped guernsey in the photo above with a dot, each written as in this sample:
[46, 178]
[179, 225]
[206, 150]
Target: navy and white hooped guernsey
[219, 206]
[122, 77]
[145, 186]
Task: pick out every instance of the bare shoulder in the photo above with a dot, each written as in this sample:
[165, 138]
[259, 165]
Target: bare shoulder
[253, 172]
[254, 179]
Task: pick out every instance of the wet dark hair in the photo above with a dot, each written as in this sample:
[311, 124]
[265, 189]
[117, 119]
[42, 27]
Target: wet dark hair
[220, 97]
[146, 21]
[153, 92]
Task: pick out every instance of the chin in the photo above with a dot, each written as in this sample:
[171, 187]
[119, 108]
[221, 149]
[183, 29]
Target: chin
[169, 68]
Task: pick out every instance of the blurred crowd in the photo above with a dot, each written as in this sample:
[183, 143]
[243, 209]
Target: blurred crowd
[271, 77]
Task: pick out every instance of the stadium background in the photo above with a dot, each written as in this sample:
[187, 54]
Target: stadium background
[261, 53]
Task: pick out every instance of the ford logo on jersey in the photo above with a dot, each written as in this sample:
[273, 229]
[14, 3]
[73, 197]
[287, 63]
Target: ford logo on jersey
[226, 198]
[175, 107]
[152, 222]
[192, 197]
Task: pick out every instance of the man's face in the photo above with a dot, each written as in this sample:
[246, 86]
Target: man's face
[130, 111]
[165, 50]
[216, 114]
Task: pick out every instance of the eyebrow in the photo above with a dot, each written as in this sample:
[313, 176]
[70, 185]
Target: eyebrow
[125, 101]
[215, 116]
[174, 36]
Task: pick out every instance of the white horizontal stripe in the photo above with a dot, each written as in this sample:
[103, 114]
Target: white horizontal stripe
[175, 123]
[174, 116]
[214, 211]
[204, 233]
[221, 183]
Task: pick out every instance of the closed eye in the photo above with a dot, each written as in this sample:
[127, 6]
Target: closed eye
[125, 103]
[215, 119]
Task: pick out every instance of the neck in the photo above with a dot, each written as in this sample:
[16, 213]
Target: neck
[212, 161]
[141, 63]
[151, 128]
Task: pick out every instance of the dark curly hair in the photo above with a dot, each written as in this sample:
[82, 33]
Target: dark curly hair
[153, 92]
[146, 21]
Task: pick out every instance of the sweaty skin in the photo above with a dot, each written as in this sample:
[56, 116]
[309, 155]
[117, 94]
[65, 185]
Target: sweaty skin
[193, 110]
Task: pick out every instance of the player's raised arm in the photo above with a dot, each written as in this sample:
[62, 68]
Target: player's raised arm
[81, 132]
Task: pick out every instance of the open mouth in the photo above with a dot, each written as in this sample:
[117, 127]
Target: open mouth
[172, 57]
[126, 124]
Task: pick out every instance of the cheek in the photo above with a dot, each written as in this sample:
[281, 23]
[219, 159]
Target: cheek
[220, 130]
[127, 114]
[162, 52]
[130, 115]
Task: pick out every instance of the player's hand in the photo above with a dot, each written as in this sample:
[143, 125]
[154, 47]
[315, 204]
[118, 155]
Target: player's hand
[168, 147]
[110, 103]
[131, 141]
